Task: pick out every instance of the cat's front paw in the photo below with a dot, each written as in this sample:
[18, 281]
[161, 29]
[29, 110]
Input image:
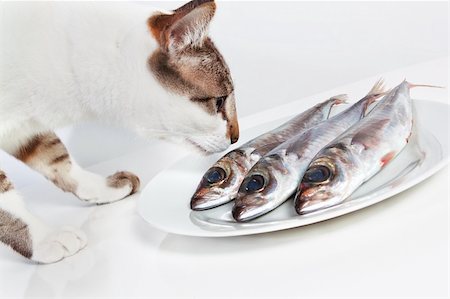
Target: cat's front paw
[123, 179]
[98, 190]
[58, 245]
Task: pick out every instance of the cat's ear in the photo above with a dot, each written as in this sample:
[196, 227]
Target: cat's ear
[186, 27]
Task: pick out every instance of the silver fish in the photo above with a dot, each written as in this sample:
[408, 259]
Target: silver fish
[275, 177]
[221, 182]
[358, 154]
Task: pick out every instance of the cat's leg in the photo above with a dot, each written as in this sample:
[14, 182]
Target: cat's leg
[46, 153]
[28, 235]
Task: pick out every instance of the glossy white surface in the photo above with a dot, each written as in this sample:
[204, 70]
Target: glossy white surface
[397, 248]
[168, 208]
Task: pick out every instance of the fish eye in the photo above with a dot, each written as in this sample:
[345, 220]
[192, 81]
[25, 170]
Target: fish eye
[254, 183]
[317, 174]
[215, 175]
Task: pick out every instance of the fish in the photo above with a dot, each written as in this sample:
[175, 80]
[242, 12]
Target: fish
[358, 154]
[275, 177]
[221, 182]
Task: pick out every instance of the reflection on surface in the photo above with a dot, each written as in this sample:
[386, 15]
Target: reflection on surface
[85, 270]
[110, 230]
[56, 279]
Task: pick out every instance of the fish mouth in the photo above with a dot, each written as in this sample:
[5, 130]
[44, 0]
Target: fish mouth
[240, 213]
[199, 203]
[244, 212]
[214, 192]
[305, 206]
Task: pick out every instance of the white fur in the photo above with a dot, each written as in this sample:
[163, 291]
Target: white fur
[63, 63]
[93, 188]
[49, 245]
[58, 245]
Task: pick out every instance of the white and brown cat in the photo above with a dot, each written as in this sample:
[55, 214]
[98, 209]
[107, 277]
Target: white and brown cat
[156, 73]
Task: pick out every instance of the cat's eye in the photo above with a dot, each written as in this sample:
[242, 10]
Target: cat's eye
[317, 174]
[220, 101]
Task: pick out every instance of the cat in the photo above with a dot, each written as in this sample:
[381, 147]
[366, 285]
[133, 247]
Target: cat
[156, 73]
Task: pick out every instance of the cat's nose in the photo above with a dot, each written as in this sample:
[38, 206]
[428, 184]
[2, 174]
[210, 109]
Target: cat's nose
[234, 139]
[233, 126]
[234, 133]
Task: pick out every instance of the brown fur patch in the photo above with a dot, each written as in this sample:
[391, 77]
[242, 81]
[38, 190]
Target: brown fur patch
[60, 158]
[122, 178]
[188, 7]
[26, 151]
[39, 144]
[195, 73]
[14, 233]
[170, 77]
[47, 154]
[159, 24]
[5, 184]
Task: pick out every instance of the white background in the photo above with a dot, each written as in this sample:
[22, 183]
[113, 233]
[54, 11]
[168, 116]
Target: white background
[278, 53]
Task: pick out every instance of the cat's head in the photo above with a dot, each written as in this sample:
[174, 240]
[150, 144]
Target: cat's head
[188, 65]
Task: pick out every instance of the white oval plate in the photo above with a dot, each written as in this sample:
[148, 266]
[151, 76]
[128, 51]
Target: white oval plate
[164, 203]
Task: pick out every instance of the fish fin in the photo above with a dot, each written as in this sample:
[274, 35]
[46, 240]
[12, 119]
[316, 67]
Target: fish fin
[378, 90]
[366, 138]
[337, 100]
[340, 99]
